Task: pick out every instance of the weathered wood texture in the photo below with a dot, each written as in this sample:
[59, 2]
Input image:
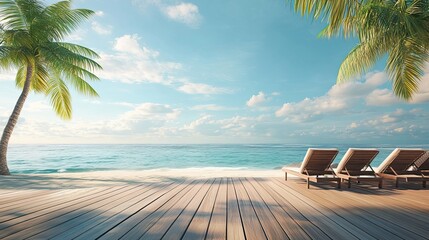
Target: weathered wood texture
[221, 208]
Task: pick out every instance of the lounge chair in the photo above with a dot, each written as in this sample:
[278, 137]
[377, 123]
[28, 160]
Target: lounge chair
[355, 166]
[400, 165]
[422, 164]
[316, 167]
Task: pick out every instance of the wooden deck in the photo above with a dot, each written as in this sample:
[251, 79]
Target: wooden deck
[222, 208]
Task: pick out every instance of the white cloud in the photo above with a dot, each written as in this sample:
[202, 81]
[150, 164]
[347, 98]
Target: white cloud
[200, 88]
[99, 13]
[338, 98]
[183, 12]
[384, 97]
[308, 108]
[187, 13]
[37, 106]
[134, 63]
[138, 121]
[150, 111]
[256, 100]
[100, 29]
[398, 130]
[354, 125]
[208, 107]
[7, 75]
[124, 104]
[237, 126]
[130, 44]
[381, 97]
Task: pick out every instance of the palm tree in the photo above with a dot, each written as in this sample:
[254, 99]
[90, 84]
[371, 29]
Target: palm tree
[396, 28]
[31, 35]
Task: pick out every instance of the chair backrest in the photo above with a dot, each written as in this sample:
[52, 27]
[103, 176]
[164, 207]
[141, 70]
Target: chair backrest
[401, 159]
[423, 162]
[356, 160]
[318, 160]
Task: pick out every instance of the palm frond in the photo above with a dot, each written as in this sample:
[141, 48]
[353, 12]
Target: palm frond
[81, 85]
[339, 14]
[78, 49]
[60, 97]
[360, 60]
[40, 82]
[20, 76]
[13, 57]
[68, 54]
[58, 20]
[405, 65]
[69, 63]
[18, 14]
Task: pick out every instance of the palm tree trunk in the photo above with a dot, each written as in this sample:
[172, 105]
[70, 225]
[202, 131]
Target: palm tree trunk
[13, 119]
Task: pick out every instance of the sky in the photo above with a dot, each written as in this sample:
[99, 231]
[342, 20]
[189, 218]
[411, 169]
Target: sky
[178, 72]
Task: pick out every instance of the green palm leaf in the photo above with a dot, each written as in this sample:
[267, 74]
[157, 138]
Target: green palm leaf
[60, 97]
[396, 28]
[31, 41]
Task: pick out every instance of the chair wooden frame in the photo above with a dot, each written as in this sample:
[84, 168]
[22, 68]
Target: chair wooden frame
[361, 172]
[314, 175]
[404, 173]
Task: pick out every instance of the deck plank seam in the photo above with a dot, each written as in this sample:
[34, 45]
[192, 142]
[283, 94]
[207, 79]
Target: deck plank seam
[300, 212]
[306, 201]
[108, 230]
[211, 213]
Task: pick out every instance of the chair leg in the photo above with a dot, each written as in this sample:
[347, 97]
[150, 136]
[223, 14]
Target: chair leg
[380, 184]
[339, 184]
[349, 184]
[308, 183]
[285, 176]
[424, 184]
[397, 183]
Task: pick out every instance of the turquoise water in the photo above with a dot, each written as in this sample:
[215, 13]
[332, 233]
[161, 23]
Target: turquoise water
[83, 158]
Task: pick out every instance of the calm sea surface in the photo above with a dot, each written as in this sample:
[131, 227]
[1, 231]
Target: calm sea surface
[83, 158]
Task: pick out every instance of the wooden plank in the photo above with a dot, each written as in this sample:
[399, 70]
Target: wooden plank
[178, 228]
[25, 203]
[218, 221]
[252, 226]
[216, 211]
[367, 223]
[131, 221]
[197, 229]
[97, 228]
[37, 225]
[157, 230]
[41, 204]
[311, 211]
[269, 223]
[22, 196]
[234, 227]
[56, 206]
[308, 226]
[287, 222]
[143, 226]
[113, 206]
[385, 214]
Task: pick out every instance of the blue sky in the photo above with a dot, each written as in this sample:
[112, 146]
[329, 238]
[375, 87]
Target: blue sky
[219, 72]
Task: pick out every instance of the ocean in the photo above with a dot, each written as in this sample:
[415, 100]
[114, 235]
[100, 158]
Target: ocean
[25, 159]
